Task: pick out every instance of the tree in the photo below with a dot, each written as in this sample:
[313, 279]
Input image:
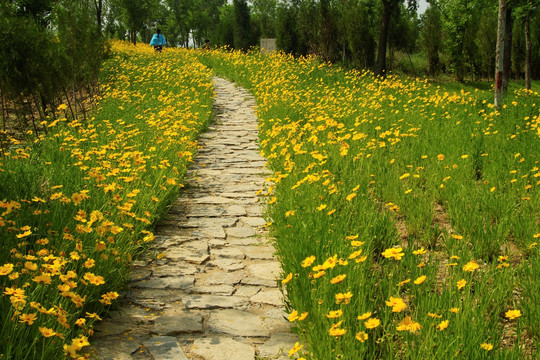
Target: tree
[135, 14]
[388, 8]
[243, 38]
[265, 11]
[499, 54]
[431, 37]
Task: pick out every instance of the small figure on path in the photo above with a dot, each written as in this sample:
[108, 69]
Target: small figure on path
[206, 45]
[158, 40]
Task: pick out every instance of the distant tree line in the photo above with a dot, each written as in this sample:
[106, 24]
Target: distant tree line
[52, 50]
[51, 53]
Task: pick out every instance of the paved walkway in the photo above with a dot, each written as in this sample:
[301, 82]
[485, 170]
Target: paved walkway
[208, 288]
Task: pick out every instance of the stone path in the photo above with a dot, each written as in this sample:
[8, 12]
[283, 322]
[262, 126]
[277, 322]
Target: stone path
[208, 288]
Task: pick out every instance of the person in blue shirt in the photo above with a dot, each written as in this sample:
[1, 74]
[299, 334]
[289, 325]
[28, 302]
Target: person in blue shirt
[158, 40]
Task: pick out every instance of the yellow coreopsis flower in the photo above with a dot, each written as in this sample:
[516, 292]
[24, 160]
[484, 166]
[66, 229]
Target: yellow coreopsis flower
[287, 279]
[513, 314]
[486, 346]
[308, 261]
[338, 279]
[443, 325]
[295, 349]
[361, 336]
[364, 316]
[420, 280]
[334, 314]
[395, 253]
[372, 323]
[470, 266]
[397, 304]
[461, 284]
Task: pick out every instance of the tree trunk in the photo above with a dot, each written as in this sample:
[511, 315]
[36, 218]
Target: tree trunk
[507, 62]
[380, 67]
[98, 4]
[499, 54]
[528, 52]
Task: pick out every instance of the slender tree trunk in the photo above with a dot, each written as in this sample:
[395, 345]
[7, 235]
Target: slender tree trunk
[507, 67]
[380, 67]
[528, 52]
[98, 4]
[499, 54]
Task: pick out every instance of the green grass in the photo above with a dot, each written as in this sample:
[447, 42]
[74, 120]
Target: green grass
[79, 203]
[399, 163]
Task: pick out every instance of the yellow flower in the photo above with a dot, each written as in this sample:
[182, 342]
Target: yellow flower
[364, 316]
[335, 330]
[6, 269]
[419, 251]
[454, 310]
[397, 304]
[334, 314]
[289, 213]
[27, 318]
[440, 157]
[443, 325]
[308, 261]
[43, 278]
[395, 253]
[404, 282]
[343, 298]
[295, 349]
[361, 336]
[338, 279]
[293, 316]
[303, 316]
[404, 176]
[470, 266]
[512, 314]
[457, 236]
[321, 207]
[287, 279]
[351, 196]
[408, 324]
[486, 346]
[461, 284]
[372, 323]
[420, 280]
[47, 332]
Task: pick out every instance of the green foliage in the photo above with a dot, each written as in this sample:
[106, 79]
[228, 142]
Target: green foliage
[244, 35]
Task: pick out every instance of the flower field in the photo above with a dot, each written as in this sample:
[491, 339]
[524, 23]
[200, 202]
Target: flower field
[78, 203]
[406, 214]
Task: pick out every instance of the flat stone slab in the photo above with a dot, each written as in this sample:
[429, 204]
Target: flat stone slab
[235, 210]
[268, 296]
[241, 232]
[253, 221]
[269, 270]
[214, 302]
[174, 322]
[228, 253]
[195, 252]
[179, 283]
[222, 277]
[259, 252]
[175, 270]
[228, 264]
[221, 349]
[164, 348]
[237, 323]
[226, 290]
[278, 346]
[212, 200]
[214, 232]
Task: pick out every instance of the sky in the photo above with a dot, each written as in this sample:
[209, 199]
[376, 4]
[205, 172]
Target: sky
[422, 6]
